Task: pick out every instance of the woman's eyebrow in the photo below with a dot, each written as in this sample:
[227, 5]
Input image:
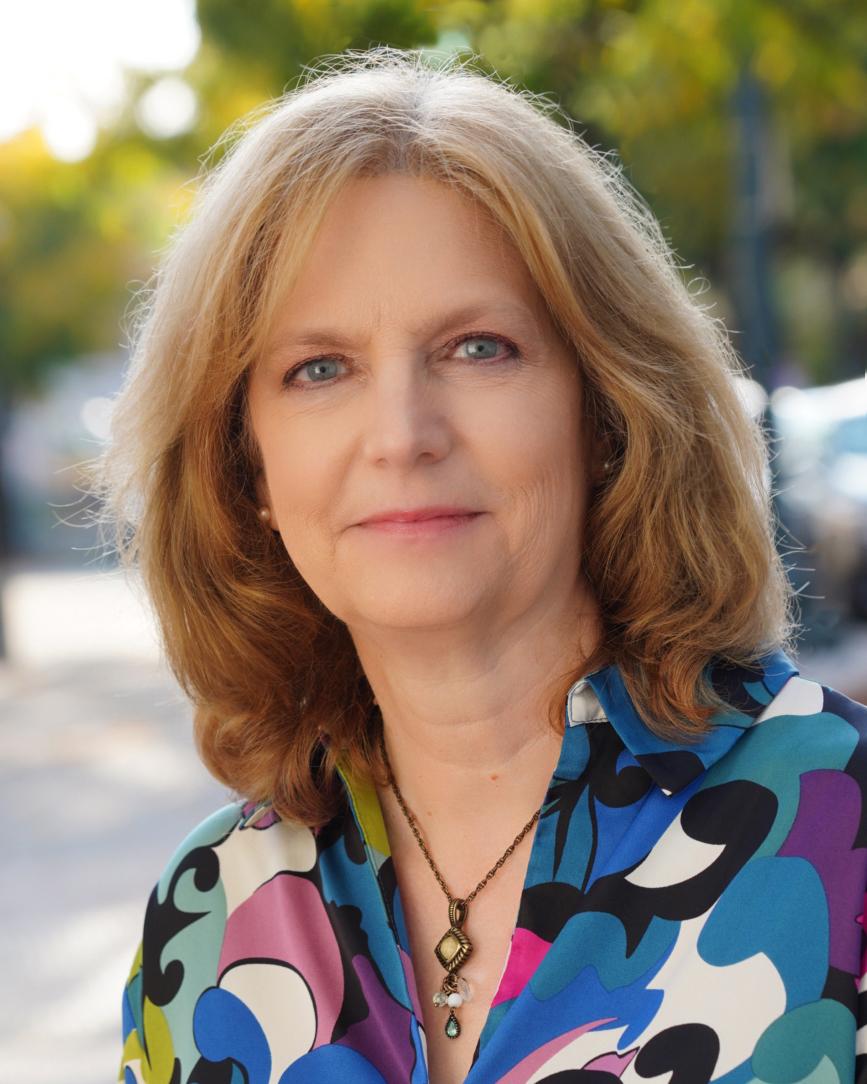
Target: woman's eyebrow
[511, 311]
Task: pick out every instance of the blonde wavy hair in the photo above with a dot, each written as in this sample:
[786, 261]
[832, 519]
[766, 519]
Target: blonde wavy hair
[679, 543]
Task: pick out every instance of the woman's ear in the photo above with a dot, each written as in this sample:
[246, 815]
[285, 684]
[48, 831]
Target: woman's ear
[602, 458]
[263, 497]
[594, 453]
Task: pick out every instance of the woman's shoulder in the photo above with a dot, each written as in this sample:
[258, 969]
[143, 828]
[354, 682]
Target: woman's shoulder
[236, 843]
[804, 731]
[832, 716]
[220, 864]
[208, 833]
[205, 894]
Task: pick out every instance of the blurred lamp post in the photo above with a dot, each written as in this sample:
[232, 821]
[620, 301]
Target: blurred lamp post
[753, 215]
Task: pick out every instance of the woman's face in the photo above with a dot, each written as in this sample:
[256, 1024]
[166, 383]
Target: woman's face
[413, 364]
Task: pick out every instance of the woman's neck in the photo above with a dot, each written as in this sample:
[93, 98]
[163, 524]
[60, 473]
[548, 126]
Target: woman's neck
[467, 732]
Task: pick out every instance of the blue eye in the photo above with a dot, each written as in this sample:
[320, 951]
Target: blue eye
[483, 339]
[317, 364]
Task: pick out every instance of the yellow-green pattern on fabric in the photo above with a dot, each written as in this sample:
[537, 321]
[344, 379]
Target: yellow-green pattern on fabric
[368, 810]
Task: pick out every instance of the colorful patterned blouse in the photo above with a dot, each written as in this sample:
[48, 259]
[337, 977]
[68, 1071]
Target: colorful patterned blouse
[689, 914]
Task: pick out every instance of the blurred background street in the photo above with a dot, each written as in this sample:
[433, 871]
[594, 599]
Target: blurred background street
[742, 126]
[98, 784]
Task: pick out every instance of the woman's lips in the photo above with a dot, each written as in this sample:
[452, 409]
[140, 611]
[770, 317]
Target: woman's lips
[436, 525]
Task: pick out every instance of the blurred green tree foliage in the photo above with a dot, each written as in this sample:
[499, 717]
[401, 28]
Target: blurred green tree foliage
[73, 238]
[652, 79]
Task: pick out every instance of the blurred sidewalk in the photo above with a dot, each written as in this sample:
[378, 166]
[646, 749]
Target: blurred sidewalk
[99, 782]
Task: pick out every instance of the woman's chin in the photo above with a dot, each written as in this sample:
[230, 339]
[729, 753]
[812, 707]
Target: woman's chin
[412, 609]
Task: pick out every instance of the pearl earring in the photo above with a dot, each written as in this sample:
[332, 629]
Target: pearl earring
[265, 514]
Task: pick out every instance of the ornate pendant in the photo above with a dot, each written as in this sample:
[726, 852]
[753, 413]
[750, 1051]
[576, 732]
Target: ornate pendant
[454, 946]
[452, 950]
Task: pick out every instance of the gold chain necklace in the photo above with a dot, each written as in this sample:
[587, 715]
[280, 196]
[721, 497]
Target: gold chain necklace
[454, 946]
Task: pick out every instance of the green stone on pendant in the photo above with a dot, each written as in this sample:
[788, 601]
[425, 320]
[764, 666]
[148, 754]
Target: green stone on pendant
[453, 1028]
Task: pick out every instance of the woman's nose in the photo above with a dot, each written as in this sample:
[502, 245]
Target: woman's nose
[405, 416]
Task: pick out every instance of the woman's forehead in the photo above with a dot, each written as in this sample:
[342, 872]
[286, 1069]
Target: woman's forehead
[439, 319]
[401, 255]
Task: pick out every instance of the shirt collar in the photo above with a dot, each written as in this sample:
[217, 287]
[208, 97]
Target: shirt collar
[602, 696]
[672, 765]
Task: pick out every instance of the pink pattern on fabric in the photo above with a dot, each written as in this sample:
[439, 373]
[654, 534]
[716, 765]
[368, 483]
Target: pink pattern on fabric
[612, 1063]
[525, 1068]
[261, 820]
[860, 920]
[265, 927]
[526, 952]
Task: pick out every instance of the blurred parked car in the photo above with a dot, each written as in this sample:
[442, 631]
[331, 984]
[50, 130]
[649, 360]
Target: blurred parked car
[47, 440]
[819, 444]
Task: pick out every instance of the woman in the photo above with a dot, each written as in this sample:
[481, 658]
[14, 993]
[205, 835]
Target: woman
[480, 637]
